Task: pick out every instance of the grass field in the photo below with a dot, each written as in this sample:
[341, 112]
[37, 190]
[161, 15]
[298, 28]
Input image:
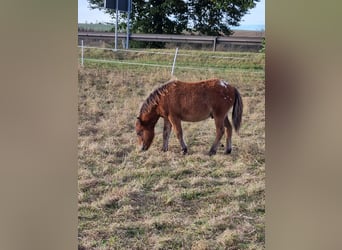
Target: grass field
[152, 200]
[101, 27]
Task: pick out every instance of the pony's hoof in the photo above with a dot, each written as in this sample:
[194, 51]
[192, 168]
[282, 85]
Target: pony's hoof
[228, 151]
[212, 152]
[185, 151]
[164, 149]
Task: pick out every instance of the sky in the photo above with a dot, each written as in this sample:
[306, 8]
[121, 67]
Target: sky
[256, 15]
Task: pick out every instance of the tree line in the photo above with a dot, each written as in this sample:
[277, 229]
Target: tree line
[203, 17]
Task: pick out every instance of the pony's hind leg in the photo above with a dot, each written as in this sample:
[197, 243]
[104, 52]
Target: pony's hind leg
[166, 134]
[229, 131]
[219, 134]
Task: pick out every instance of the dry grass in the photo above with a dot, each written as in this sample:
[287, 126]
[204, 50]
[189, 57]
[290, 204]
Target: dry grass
[153, 200]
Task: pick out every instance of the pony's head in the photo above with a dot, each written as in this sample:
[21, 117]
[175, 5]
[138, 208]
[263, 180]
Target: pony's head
[145, 134]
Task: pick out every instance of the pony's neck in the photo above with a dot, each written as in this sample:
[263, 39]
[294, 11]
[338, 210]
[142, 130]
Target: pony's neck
[150, 117]
[149, 112]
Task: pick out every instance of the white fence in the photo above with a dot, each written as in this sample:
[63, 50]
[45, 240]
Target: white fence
[172, 62]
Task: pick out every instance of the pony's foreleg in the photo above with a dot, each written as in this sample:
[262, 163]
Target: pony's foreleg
[176, 125]
[229, 131]
[166, 134]
[219, 134]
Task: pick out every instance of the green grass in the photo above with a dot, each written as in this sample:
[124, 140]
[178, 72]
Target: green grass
[219, 61]
[152, 200]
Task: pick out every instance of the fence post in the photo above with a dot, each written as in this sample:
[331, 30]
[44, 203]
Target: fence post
[214, 43]
[128, 17]
[174, 62]
[116, 25]
[82, 53]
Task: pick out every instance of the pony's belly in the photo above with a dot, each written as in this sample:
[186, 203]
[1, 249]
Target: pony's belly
[195, 117]
[194, 111]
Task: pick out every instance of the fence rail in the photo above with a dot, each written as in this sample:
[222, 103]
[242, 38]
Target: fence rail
[214, 40]
[167, 63]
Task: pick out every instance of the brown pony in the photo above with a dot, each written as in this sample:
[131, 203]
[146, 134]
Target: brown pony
[178, 101]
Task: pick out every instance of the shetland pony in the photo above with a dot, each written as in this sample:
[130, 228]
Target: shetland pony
[177, 101]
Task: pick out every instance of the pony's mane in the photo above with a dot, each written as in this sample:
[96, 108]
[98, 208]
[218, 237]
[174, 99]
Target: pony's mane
[154, 97]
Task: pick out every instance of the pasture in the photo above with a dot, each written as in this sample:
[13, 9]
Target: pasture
[128, 199]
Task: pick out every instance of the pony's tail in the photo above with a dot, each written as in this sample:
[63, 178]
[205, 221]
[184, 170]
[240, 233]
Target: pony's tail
[237, 110]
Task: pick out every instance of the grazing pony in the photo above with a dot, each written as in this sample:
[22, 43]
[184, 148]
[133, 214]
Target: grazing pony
[178, 101]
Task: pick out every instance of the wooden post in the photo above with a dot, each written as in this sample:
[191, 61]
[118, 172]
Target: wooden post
[214, 47]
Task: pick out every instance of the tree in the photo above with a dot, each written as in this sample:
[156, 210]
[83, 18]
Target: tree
[210, 17]
[206, 17]
[159, 17]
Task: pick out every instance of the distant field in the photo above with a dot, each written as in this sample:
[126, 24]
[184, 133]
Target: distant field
[110, 27]
[95, 27]
[152, 200]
